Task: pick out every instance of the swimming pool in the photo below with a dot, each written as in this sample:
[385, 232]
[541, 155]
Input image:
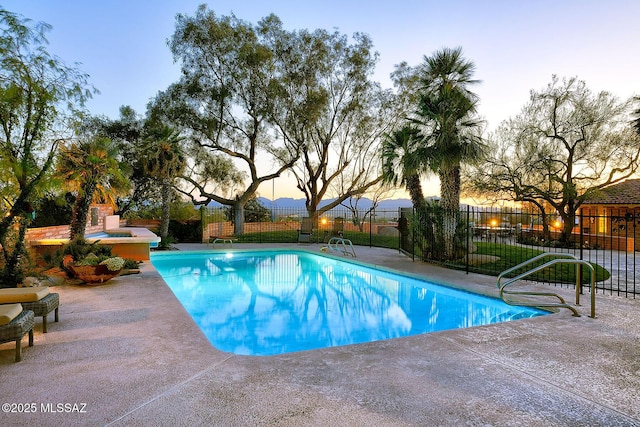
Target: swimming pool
[279, 301]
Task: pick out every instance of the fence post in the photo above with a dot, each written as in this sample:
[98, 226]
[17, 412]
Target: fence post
[370, 226]
[202, 225]
[413, 237]
[399, 230]
[581, 249]
[468, 241]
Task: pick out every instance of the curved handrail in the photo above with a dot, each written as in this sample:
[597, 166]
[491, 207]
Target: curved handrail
[561, 258]
[344, 243]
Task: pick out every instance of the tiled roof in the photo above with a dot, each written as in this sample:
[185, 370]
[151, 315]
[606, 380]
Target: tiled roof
[624, 193]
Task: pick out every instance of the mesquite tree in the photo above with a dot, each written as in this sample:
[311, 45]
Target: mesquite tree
[565, 144]
[38, 96]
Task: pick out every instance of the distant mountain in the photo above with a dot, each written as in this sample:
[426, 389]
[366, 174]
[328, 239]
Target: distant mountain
[298, 204]
[364, 203]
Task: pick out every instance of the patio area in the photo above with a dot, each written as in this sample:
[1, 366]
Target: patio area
[127, 354]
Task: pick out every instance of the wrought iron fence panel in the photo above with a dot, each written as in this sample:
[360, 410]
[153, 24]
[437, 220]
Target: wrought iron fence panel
[281, 225]
[490, 240]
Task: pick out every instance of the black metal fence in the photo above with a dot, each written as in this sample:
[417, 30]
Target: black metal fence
[487, 240]
[366, 227]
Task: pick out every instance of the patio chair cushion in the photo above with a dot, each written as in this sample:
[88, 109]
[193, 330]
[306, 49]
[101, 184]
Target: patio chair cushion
[13, 295]
[9, 312]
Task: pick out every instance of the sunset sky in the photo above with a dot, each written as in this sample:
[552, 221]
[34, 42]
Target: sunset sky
[516, 45]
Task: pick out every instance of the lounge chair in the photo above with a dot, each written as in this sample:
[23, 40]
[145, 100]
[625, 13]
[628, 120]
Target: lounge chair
[37, 299]
[224, 240]
[15, 323]
[305, 234]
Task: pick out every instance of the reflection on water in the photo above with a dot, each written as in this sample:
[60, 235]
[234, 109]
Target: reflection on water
[266, 303]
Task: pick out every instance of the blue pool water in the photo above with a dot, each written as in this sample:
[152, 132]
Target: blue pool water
[274, 302]
[102, 234]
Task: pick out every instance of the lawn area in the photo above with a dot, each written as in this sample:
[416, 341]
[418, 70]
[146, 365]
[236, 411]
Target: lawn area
[512, 255]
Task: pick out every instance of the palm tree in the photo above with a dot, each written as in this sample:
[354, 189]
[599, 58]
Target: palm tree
[447, 119]
[92, 170]
[164, 161]
[401, 163]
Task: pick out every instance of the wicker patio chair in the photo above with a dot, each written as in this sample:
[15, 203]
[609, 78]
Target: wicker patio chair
[37, 299]
[17, 327]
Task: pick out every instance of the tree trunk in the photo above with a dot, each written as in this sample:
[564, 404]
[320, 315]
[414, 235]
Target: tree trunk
[450, 203]
[567, 228]
[424, 230]
[546, 233]
[166, 208]
[238, 219]
[13, 228]
[415, 191]
[81, 211]
[12, 273]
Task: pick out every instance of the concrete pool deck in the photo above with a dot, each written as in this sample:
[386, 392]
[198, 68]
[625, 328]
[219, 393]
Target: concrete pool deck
[127, 354]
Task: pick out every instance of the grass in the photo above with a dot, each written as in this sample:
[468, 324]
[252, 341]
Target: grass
[511, 255]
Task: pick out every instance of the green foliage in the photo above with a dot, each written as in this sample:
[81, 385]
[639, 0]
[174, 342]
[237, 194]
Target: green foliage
[224, 99]
[163, 155]
[442, 134]
[253, 212]
[131, 264]
[127, 132]
[163, 160]
[212, 215]
[180, 211]
[165, 244]
[402, 164]
[39, 94]
[53, 210]
[90, 167]
[83, 253]
[149, 210]
[295, 99]
[326, 103]
[79, 249]
[184, 211]
[185, 231]
[89, 259]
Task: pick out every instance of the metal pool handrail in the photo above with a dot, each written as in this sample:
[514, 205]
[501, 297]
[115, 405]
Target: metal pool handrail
[340, 244]
[565, 259]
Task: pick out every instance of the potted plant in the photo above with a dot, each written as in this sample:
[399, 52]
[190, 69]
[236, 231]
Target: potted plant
[90, 262]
